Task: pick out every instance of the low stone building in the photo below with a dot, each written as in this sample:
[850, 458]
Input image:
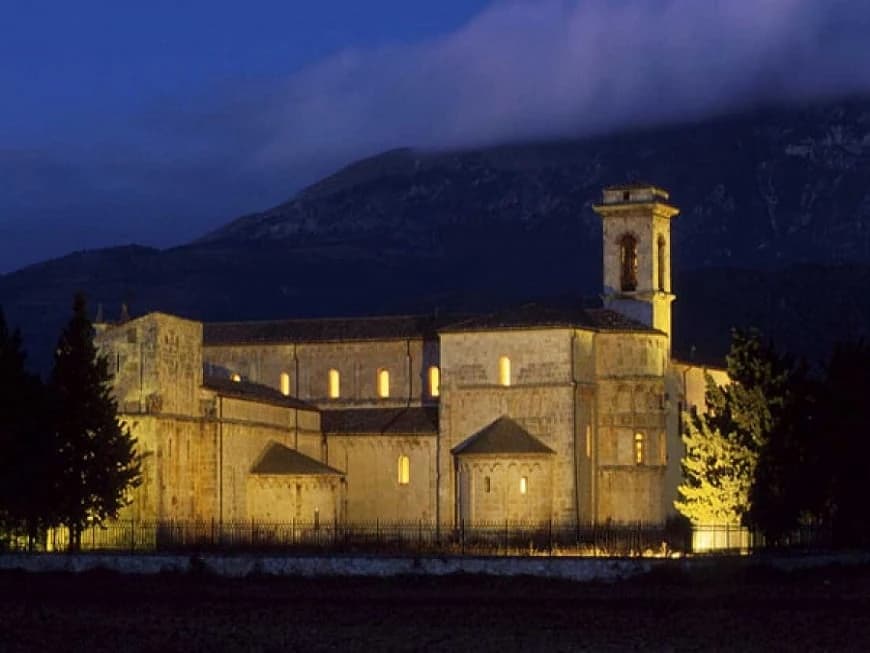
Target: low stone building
[533, 415]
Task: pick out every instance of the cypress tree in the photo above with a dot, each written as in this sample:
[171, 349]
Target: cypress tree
[97, 452]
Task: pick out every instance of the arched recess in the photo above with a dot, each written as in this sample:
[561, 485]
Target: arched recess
[628, 263]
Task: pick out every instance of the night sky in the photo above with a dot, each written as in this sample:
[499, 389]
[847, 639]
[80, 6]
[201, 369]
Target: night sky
[155, 122]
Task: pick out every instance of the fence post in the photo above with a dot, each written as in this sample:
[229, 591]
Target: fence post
[505, 536]
[132, 535]
[550, 534]
[419, 534]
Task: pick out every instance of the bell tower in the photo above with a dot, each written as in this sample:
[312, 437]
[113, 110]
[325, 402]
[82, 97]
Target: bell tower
[637, 253]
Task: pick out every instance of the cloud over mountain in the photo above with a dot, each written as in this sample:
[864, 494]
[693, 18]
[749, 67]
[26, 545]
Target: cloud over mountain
[525, 69]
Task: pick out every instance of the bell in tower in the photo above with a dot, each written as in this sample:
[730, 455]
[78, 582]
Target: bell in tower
[637, 253]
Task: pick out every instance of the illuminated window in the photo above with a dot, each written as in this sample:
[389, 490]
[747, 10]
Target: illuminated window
[524, 484]
[589, 442]
[404, 469]
[639, 448]
[434, 381]
[383, 383]
[628, 263]
[661, 262]
[334, 389]
[285, 384]
[487, 484]
[236, 377]
[504, 370]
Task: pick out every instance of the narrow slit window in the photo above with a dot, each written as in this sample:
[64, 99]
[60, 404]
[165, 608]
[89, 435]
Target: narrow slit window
[383, 383]
[285, 384]
[334, 390]
[639, 448]
[504, 371]
[589, 442]
[404, 470]
[660, 259]
[524, 484]
[434, 381]
[487, 484]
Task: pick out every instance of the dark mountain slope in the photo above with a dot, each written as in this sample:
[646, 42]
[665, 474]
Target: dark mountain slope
[775, 232]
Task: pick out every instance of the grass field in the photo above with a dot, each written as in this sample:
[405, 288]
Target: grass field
[729, 609]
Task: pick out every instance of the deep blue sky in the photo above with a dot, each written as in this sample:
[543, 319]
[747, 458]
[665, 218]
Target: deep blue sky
[154, 122]
[85, 82]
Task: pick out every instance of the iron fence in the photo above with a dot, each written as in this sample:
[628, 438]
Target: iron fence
[411, 537]
[393, 537]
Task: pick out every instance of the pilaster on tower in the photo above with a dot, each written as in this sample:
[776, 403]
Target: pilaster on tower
[637, 253]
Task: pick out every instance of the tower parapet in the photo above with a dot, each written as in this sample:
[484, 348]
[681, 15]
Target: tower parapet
[637, 252]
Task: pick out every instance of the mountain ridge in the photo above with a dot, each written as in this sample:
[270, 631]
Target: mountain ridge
[780, 199]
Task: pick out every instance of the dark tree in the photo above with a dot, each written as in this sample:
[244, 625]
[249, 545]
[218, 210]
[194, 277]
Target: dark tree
[785, 491]
[27, 452]
[99, 464]
[844, 451]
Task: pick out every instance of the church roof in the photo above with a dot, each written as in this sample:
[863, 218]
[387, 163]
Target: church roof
[277, 460]
[376, 421]
[390, 327]
[252, 392]
[503, 436]
[538, 316]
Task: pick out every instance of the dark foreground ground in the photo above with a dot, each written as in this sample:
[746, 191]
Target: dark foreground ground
[727, 609]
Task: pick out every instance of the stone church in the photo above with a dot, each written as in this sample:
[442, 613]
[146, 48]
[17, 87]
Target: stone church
[527, 415]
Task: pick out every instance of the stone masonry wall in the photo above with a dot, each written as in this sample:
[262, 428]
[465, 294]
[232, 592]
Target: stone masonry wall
[309, 500]
[541, 398]
[156, 361]
[631, 401]
[373, 489]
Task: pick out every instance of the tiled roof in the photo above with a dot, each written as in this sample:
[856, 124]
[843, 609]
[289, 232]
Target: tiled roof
[322, 330]
[503, 436]
[280, 460]
[536, 316]
[365, 421]
[253, 392]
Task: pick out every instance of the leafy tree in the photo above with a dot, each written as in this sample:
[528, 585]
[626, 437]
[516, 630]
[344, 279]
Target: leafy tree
[728, 440]
[97, 452]
[717, 470]
[27, 452]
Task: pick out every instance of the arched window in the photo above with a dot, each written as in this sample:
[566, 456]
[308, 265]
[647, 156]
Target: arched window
[434, 381]
[660, 262]
[487, 484]
[404, 470]
[639, 448]
[628, 263]
[524, 484]
[504, 371]
[383, 383]
[236, 377]
[285, 384]
[334, 390]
